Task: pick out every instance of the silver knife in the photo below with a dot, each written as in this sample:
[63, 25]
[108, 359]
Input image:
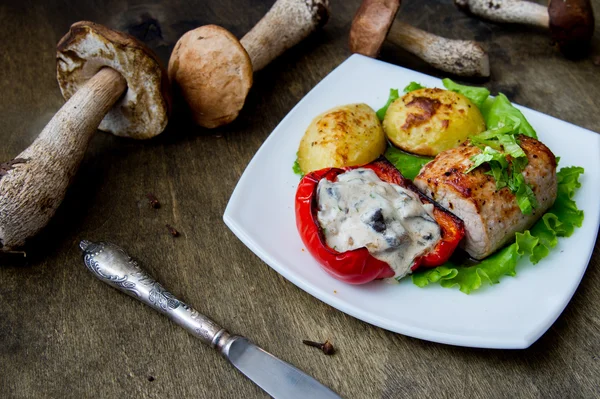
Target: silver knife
[279, 379]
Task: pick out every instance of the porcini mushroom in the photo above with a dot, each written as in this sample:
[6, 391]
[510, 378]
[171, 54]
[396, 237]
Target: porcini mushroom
[571, 22]
[111, 82]
[213, 70]
[374, 22]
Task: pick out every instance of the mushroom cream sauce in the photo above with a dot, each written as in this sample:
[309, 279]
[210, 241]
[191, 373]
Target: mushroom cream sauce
[360, 210]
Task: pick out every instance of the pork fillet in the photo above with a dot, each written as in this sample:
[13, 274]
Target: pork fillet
[491, 216]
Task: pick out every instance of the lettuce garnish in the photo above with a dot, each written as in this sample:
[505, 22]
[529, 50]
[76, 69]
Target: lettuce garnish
[560, 221]
[477, 95]
[408, 164]
[501, 113]
[393, 97]
[412, 86]
[296, 168]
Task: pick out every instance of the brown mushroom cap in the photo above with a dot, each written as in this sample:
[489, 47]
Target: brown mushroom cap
[213, 73]
[143, 111]
[371, 25]
[571, 25]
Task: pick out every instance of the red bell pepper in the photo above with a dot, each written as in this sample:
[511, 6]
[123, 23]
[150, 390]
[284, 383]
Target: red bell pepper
[358, 266]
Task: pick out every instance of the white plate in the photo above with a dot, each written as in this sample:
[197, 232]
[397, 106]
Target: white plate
[512, 314]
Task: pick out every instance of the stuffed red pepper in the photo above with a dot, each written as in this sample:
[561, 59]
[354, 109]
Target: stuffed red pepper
[368, 222]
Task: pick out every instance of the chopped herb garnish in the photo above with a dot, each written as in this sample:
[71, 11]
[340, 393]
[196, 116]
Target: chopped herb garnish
[498, 146]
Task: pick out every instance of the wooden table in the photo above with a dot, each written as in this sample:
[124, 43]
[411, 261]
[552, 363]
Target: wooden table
[64, 334]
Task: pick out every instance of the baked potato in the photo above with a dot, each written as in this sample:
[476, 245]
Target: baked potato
[347, 135]
[429, 121]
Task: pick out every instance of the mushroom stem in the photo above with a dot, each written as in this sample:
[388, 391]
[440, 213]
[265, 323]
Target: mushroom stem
[31, 191]
[286, 24]
[507, 11]
[459, 57]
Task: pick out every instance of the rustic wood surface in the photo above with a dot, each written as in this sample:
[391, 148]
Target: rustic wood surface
[63, 334]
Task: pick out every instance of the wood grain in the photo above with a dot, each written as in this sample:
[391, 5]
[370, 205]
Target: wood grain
[64, 334]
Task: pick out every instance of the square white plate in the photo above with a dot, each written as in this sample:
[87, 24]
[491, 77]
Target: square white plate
[512, 314]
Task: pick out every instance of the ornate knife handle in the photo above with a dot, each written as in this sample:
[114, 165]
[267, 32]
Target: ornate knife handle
[112, 265]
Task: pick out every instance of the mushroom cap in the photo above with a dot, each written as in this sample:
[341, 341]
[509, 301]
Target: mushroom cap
[144, 109]
[371, 25]
[213, 73]
[571, 25]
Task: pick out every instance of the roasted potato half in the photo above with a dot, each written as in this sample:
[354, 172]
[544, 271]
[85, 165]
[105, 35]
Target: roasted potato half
[429, 121]
[347, 135]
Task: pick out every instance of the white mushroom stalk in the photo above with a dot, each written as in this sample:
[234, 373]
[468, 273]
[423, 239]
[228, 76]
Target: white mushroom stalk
[508, 11]
[570, 22]
[286, 24]
[458, 57]
[105, 92]
[31, 191]
[374, 23]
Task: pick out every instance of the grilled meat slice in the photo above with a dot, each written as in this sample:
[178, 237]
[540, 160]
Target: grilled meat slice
[491, 216]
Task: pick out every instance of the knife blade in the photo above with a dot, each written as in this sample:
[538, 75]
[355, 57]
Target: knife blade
[276, 377]
[112, 265]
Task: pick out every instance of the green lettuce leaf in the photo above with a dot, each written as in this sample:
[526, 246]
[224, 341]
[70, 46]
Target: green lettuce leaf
[477, 95]
[560, 221]
[565, 208]
[434, 275]
[502, 113]
[296, 168]
[486, 106]
[408, 164]
[470, 278]
[412, 86]
[394, 95]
